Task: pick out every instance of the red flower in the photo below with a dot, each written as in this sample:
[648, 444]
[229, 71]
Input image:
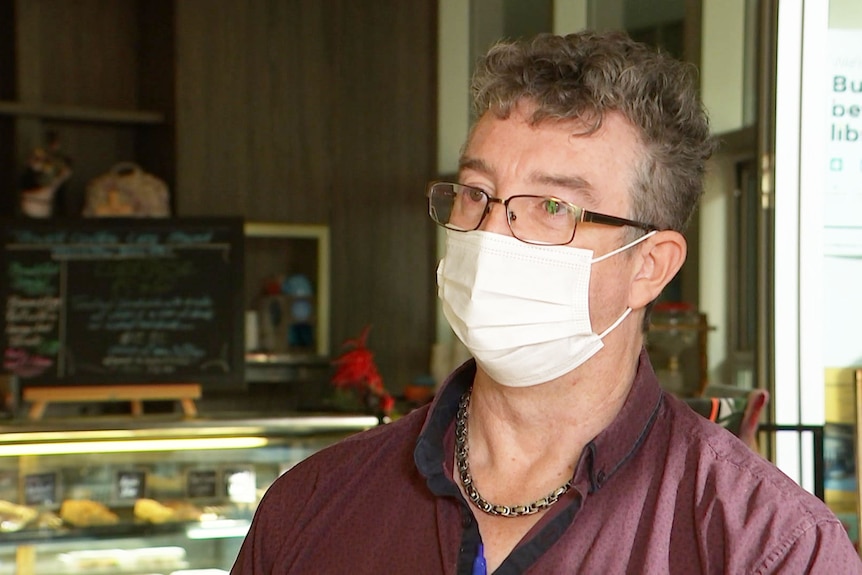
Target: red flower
[355, 368]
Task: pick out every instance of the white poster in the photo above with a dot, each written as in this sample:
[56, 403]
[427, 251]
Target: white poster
[842, 209]
[842, 203]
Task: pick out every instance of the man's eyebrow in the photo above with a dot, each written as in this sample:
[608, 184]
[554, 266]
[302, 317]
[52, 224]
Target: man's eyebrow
[577, 184]
[475, 164]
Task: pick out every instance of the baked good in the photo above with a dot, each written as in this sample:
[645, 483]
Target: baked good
[86, 513]
[184, 511]
[152, 511]
[14, 517]
[156, 512]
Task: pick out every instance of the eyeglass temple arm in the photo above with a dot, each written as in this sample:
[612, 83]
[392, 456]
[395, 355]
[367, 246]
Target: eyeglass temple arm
[596, 218]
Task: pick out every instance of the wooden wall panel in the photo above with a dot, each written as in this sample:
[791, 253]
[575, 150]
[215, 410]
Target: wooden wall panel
[384, 149]
[156, 144]
[86, 51]
[8, 71]
[310, 111]
[253, 110]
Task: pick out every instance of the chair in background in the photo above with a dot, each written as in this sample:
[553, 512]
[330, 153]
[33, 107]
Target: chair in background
[740, 414]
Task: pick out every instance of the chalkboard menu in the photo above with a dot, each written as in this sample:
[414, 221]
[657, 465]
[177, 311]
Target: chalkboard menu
[122, 300]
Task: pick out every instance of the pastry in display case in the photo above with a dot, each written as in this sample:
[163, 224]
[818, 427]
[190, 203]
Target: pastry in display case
[143, 496]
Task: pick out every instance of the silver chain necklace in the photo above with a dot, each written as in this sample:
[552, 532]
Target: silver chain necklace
[467, 480]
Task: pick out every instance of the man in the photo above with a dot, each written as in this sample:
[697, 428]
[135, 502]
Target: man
[555, 451]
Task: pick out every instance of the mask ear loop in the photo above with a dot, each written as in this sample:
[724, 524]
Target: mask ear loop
[625, 247]
[616, 323]
[613, 253]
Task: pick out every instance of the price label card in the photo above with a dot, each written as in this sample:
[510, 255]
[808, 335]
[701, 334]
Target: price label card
[240, 485]
[131, 484]
[201, 483]
[40, 489]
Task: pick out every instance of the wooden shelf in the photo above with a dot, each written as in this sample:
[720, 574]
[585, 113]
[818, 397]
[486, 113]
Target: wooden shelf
[81, 113]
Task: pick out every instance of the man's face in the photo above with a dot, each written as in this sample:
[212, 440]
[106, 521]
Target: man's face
[510, 157]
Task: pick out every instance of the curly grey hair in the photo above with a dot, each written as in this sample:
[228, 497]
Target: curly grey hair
[585, 75]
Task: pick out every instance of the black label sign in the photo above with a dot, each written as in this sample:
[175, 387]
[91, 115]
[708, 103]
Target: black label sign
[131, 484]
[201, 483]
[40, 489]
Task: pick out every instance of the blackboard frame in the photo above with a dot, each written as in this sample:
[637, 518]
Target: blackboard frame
[214, 245]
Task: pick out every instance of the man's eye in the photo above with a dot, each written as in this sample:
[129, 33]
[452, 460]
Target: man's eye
[553, 207]
[475, 195]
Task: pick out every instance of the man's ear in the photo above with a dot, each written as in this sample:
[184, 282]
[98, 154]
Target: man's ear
[656, 263]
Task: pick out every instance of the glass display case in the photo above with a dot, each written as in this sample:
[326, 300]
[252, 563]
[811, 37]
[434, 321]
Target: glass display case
[144, 496]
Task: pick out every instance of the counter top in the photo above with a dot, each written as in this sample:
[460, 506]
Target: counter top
[117, 428]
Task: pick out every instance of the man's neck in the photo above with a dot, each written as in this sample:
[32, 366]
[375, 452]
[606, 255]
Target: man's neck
[524, 443]
[549, 424]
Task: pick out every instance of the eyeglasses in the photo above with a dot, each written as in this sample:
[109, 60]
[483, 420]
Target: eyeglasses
[543, 220]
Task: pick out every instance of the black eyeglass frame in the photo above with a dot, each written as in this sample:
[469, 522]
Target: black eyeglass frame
[585, 215]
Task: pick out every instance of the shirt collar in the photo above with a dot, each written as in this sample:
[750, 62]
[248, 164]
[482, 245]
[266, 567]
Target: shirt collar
[600, 459]
[614, 445]
[430, 447]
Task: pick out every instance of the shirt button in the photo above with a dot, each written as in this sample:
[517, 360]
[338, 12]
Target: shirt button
[600, 478]
[466, 521]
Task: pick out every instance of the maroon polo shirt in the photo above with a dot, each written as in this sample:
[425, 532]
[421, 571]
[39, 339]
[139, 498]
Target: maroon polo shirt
[661, 490]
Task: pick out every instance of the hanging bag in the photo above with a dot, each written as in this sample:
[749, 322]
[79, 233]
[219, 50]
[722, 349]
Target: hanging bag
[127, 191]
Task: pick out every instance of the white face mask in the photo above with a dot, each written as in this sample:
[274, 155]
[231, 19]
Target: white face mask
[522, 310]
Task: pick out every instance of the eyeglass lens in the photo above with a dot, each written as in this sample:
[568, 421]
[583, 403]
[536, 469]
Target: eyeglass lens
[534, 219]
